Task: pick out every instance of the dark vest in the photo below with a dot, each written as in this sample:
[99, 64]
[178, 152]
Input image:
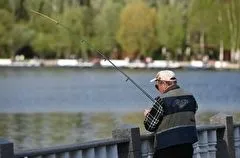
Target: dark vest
[178, 124]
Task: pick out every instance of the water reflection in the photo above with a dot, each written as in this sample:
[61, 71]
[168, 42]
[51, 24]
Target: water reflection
[3, 124]
[20, 129]
[36, 130]
[41, 129]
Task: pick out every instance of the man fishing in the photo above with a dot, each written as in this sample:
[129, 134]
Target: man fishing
[172, 118]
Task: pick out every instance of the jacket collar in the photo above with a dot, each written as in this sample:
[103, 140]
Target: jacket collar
[171, 88]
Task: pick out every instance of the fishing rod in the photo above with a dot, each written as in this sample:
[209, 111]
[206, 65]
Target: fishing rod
[99, 52]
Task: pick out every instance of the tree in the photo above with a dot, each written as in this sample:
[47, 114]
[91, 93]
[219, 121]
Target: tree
[6, 25]
[79, 20]
[170, 31]
[106, 24]
[200, 20]
[137, 32]
[231, 10]
[216, 23]
[45, 37]
[44, 6]
[218, 34]
[84, 2]
[21, 11]
[6, 4]
[22, 36]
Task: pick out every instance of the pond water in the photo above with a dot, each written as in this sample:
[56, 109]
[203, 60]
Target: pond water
[43, 107]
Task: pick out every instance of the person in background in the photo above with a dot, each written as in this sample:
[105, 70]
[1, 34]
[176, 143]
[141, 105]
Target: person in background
[172, 118]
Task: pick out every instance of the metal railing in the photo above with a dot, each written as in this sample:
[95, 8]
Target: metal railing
[106, 148]
[215, 141]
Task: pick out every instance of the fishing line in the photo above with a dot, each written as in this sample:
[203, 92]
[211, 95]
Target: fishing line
[103, 56]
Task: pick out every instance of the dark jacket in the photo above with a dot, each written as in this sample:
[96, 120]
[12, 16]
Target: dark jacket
[178, 123]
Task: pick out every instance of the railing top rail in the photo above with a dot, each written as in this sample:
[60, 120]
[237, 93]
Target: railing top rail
[209, 127]
[237, 125]
[71, 147]
[102, 142]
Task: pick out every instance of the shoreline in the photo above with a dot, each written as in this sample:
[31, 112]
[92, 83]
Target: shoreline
[155, 64]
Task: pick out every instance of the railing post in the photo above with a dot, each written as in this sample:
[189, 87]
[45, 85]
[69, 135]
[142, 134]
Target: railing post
[237, 141]
[134, 147]
[6, 149]
[225, 138]
[203, 144]
[212, 142]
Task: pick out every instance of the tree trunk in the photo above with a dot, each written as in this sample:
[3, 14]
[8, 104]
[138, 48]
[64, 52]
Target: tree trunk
[21, 12]
[84, 3]
[221, 51]
[12, 5]
[54, 5]
[233, 52]
[237, 16]
[238, 55]
[40, 9]
[233, 27]
[61, 6]
[202, 46]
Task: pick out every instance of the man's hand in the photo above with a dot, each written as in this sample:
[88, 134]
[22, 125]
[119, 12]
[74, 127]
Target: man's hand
[146, 111]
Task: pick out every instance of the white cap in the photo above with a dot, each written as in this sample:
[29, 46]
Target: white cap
[165, 75]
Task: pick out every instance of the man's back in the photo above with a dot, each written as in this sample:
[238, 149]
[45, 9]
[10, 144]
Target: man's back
[172, 118]
[178, 120]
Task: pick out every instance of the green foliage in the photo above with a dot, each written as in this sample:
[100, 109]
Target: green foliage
[45, 6]
[170, 26]
[44, 43]
[6, 25]
[6, 20]
[44, 37]
[219, 30]
[230, 10]
[202, 14]
[80, 29]
[21, 35]
[5, 4]
[215, 19]
[106, 25]
[137, 28]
